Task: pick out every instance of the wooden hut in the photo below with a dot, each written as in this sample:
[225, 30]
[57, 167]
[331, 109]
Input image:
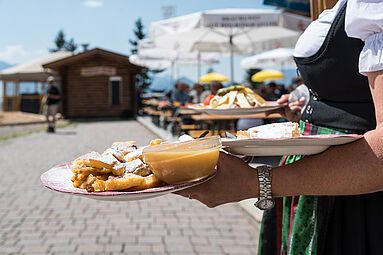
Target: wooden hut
[96, 84]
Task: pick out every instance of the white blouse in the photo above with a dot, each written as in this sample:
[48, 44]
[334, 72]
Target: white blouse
[364, 20]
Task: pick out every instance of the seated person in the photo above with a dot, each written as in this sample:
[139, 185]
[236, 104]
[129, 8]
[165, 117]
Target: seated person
[195, 94]
[214, 87]
[181, 94]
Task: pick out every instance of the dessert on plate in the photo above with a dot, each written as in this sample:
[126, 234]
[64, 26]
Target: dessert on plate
[274, 130]
[119, 167]
[124, 167]
[236, 97]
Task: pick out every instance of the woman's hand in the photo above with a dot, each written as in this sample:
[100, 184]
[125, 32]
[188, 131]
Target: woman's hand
[235, 181]
[293, 110]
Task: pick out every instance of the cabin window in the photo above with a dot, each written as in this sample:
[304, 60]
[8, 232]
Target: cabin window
[115, 84]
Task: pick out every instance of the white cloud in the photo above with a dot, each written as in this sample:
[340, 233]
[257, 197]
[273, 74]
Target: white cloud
[15, 54]
[93, 3]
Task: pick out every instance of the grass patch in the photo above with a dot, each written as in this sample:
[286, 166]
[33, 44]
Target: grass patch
[37, 130]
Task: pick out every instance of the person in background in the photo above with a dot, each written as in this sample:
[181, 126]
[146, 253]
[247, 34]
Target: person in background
[214, 87]
[169, 96]
[269, 94]
[181, 94]
[290, 88]
[281, 90]
[297, 81]
[195, 93]
[51, 104]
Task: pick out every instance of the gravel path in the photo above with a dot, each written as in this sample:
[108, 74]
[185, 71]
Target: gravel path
[35, 220]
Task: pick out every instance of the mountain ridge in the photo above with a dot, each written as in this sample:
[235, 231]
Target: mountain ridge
[4, 65]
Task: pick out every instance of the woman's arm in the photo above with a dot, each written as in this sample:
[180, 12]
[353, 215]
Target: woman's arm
[355, 168]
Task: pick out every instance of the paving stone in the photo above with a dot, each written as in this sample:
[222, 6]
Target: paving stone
[150, 239]
[42, 249]
[129, 248]
[113, 248]
[90, 248]
[63, 248]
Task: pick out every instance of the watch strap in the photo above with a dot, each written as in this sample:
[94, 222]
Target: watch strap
[264, 178]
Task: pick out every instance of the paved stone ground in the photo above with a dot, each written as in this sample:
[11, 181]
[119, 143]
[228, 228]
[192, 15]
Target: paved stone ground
[35, 220]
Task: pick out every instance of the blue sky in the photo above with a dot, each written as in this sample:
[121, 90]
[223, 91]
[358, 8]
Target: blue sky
[28, 27]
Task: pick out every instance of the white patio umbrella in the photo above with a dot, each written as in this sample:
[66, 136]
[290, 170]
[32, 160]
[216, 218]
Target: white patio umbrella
[233, 31]
[151, 63]
[147, 50]
[270, 58]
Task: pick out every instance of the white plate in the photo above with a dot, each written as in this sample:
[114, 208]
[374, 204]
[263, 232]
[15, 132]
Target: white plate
[304, 145]
[237, 111]
[58, 179]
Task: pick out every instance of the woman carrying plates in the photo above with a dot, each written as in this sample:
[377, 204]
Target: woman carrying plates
[330, 203]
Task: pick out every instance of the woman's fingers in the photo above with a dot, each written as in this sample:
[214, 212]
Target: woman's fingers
[296, 108]
[284, 99]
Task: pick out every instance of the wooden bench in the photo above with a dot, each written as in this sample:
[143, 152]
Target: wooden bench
[197, 133]
[190, 126]
[170, 119]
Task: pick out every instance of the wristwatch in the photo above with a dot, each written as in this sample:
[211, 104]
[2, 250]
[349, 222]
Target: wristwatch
[265, 201]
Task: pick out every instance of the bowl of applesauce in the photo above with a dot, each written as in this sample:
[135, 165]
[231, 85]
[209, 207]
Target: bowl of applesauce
[181, 162]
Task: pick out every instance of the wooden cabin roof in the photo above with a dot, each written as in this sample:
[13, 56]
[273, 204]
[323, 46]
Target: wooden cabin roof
[119, 58]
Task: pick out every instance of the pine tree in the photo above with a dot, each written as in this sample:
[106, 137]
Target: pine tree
[62, 44]
[144, 79]
[139, 34]
[71, 45]
[59, 41]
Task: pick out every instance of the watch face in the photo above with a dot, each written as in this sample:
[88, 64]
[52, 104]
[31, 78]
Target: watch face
[265, 204]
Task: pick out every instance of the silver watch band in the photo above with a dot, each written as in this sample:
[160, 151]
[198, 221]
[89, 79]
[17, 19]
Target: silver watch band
[265, 194]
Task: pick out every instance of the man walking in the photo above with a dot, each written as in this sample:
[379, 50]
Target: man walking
[51, 104]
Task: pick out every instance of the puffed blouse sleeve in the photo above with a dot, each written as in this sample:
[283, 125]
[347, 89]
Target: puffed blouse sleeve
[364, 20]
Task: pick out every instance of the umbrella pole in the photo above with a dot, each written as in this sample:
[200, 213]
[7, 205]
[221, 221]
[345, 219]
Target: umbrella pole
[283, 71]
[231, 59]
[177, 70]
[199, 66]
[172, 74]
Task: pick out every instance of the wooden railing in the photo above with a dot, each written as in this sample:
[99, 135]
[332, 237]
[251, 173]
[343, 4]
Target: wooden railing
[12, 103]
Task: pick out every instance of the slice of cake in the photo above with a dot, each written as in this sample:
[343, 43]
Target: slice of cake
[274, 130]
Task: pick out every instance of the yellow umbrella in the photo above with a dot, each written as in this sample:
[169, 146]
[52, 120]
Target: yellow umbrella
[213, 77]
[267, 75]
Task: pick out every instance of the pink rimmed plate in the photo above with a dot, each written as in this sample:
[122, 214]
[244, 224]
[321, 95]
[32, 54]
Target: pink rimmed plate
[303, 145]
[58, 179]
[238, 111]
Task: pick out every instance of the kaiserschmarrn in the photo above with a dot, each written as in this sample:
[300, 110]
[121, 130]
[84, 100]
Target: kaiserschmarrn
[119, 167]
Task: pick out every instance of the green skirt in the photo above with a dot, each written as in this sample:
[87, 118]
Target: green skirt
[293, 225]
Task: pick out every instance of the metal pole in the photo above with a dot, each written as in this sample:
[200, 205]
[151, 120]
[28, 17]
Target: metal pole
[177, 70]
[231, 59]
[199, 66]
[172, 75]
[283, 71]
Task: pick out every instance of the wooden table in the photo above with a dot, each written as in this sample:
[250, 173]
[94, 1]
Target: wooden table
[187, 111]
[202, 117]
[152, 102]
